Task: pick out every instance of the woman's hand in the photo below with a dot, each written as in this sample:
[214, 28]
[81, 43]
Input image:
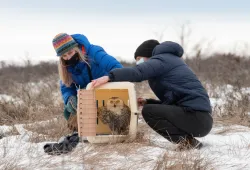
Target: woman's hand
[100, 81]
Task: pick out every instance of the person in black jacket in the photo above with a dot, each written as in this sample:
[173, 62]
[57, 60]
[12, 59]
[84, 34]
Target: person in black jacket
[183, 111]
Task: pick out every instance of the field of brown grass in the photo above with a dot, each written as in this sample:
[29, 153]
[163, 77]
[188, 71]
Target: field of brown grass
[30, 94]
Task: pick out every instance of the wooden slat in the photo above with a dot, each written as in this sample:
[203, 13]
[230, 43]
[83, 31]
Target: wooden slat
[87, 113]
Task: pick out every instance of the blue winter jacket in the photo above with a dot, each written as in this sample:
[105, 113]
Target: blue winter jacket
[101, 63]
[172, 81]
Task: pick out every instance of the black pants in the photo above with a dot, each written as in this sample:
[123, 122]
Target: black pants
[175, 123]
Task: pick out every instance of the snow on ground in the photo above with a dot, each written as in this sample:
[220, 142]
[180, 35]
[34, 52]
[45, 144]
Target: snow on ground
[225, 148]
[8, 98]
[5, 129]
[56, 96]
[221, 95]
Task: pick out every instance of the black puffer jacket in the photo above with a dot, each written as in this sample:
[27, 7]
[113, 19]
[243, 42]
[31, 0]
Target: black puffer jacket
[172, 81]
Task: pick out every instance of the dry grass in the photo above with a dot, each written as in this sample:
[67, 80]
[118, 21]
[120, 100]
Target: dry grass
[50, 130]
[236, 109]
[42, 102]
[39, 105]
[10, 73]
[184, 161]
[143, 134]
[28, 157]
[118, 156]
[9, 165]
[104, 155]
[12, 132]
[224, 130]
[31, 102]
[222, 69]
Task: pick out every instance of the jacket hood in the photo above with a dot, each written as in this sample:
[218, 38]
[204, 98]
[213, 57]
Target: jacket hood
[82, 40]
[168, 47]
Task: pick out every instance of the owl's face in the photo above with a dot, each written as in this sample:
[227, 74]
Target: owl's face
[115, 104]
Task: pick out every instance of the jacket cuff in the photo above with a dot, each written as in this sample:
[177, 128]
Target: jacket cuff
[153, 101]
[111, 77]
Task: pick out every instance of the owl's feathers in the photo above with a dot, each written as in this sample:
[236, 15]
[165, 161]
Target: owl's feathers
[116, 114]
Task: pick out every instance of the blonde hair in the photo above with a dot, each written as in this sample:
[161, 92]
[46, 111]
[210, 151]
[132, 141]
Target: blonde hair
[64, 75]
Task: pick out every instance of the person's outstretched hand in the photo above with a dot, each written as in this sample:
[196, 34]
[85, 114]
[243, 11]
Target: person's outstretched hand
[141, 101]
[100, 81]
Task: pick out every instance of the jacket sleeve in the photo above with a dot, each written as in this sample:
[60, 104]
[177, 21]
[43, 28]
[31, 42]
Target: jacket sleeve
[153, 101]
[67, 91]
[152, 68]
[106, 61]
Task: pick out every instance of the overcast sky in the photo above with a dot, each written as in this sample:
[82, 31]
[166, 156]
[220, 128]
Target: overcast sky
[27, 27]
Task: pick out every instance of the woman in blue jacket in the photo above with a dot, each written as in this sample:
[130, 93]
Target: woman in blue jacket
[183, 111]
[80, 62]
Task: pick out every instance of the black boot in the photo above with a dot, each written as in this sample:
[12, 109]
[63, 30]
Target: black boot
[64, 145]
[189, 143]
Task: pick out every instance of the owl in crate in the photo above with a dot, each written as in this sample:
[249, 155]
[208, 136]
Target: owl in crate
[116, 114]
